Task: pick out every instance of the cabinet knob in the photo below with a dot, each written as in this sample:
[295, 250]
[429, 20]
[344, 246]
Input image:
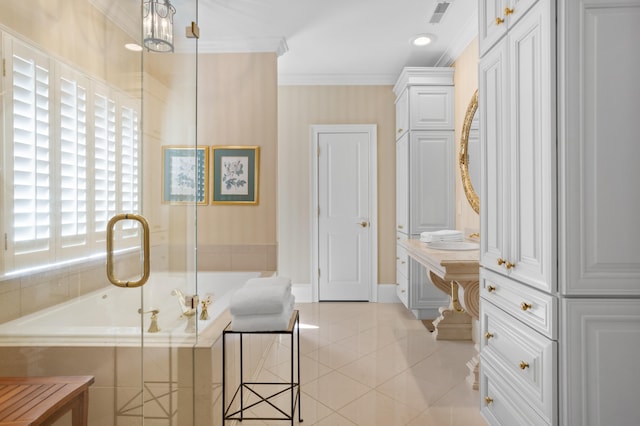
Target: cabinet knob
[491, 288]
[501, 261]
[499, 21]
[508, 11]
[400, 227]
[488, 400]
[488, 335]
[509, 265]
[400, 130]
[403, 262]
[525, 306]
[524, 365]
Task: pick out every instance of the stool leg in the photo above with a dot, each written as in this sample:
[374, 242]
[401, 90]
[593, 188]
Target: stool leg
[298, 358]
[241, 382]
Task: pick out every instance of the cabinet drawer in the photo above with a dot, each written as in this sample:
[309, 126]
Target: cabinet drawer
[524, 358]
[402, 260]
[536, 309]
[501, 404]
[402, 291]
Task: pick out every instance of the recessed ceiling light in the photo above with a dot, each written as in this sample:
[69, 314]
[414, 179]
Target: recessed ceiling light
[133, 47]
[422, 39]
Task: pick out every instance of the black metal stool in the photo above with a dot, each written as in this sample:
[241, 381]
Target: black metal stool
[292, 386]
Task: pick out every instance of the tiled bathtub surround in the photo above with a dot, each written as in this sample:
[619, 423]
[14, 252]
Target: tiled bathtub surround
[362, 364]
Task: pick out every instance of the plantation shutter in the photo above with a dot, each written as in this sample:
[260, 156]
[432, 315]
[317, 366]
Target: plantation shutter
[31, 230]
[105, 194]
[73, 162]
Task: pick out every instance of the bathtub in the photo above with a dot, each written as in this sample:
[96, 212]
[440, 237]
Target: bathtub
[109, 316]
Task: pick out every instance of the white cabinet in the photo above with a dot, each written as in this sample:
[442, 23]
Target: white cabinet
[518, 141]
[496, 17]
[560, 248]
[600, 362]
[425, 186]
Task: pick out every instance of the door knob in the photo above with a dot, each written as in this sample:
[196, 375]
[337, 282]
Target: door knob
[364, 224]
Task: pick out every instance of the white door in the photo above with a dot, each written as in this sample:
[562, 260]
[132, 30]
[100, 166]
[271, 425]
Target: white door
[345, 235]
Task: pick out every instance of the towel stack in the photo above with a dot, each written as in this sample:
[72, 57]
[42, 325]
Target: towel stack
[262, 304]
[443, 235]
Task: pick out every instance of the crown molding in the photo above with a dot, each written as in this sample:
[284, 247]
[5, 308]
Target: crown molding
[277, 45]
[468, 32]
[336, 79]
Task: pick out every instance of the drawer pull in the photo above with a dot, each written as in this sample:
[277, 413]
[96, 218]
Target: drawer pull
[509, 265]
[488, 400]
[508, 11]
[524, 365]
[501, 261]
[499, 21]
[491, 288]
[403, 262]
[488, 335]
[525, 306]
[400, 130]
[400, 227]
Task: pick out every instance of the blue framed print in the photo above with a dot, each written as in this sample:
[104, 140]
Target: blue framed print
[235, 174]
[185, 175]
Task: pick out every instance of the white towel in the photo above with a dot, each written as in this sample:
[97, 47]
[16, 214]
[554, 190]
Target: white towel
[264, 322]
[442, 235]
[269, 281]
[259, 300]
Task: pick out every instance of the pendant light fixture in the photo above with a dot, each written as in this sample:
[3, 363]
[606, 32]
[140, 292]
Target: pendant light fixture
[157, 25]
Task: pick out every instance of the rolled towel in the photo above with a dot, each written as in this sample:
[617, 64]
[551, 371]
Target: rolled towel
[269, 281]
[264, 322]
[259, 299]
[442, 235]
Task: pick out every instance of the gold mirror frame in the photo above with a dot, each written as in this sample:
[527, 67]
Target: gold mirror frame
[472, 197]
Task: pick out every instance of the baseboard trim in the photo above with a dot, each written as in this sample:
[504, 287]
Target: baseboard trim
[386, 293]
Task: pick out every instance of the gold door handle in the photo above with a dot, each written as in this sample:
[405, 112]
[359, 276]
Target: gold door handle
[508, 11]
[525, 306]
[146, 271]
[501, 261]
[364, 224]
[488, 335]
[488, 400]
[499, 21]
[491, 288]
[524, 365]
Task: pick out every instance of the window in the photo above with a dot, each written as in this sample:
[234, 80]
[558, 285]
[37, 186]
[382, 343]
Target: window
[72, 158]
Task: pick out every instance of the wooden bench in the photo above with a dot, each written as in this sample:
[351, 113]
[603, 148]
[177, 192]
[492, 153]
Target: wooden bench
[43, 400]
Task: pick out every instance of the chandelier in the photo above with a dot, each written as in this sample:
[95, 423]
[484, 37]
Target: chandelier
[157, 25]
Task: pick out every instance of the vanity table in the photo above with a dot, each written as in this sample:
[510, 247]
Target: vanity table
[456, 273]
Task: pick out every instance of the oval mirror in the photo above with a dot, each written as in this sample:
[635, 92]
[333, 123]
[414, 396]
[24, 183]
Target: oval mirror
[470, 154]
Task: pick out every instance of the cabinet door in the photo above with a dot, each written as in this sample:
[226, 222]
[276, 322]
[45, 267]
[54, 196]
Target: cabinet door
[492, 105]
[402, 184]
[532, 149]
[431, 108]
[423, 294]
[492, 25]
[432, 190]
[402, 114]
[599, 140]
[496, 17]
[600, 380]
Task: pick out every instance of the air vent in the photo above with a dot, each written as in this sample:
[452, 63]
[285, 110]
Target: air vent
[438, 14]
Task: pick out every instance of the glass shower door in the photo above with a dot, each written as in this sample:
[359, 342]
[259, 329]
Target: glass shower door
[90, 126]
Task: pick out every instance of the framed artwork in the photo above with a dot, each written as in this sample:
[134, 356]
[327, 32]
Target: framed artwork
[185, 175]
[235, 174]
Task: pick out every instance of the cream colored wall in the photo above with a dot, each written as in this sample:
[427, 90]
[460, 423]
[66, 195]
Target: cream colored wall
[466, 83]
[298, 108]
[76, 31]
[237, 105]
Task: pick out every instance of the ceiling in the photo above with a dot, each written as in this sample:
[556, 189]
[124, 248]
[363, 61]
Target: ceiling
[323, 41]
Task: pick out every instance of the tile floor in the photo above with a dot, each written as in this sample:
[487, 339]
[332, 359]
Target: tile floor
[374, 364]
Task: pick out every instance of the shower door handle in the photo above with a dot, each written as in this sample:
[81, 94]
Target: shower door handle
[145, 254]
